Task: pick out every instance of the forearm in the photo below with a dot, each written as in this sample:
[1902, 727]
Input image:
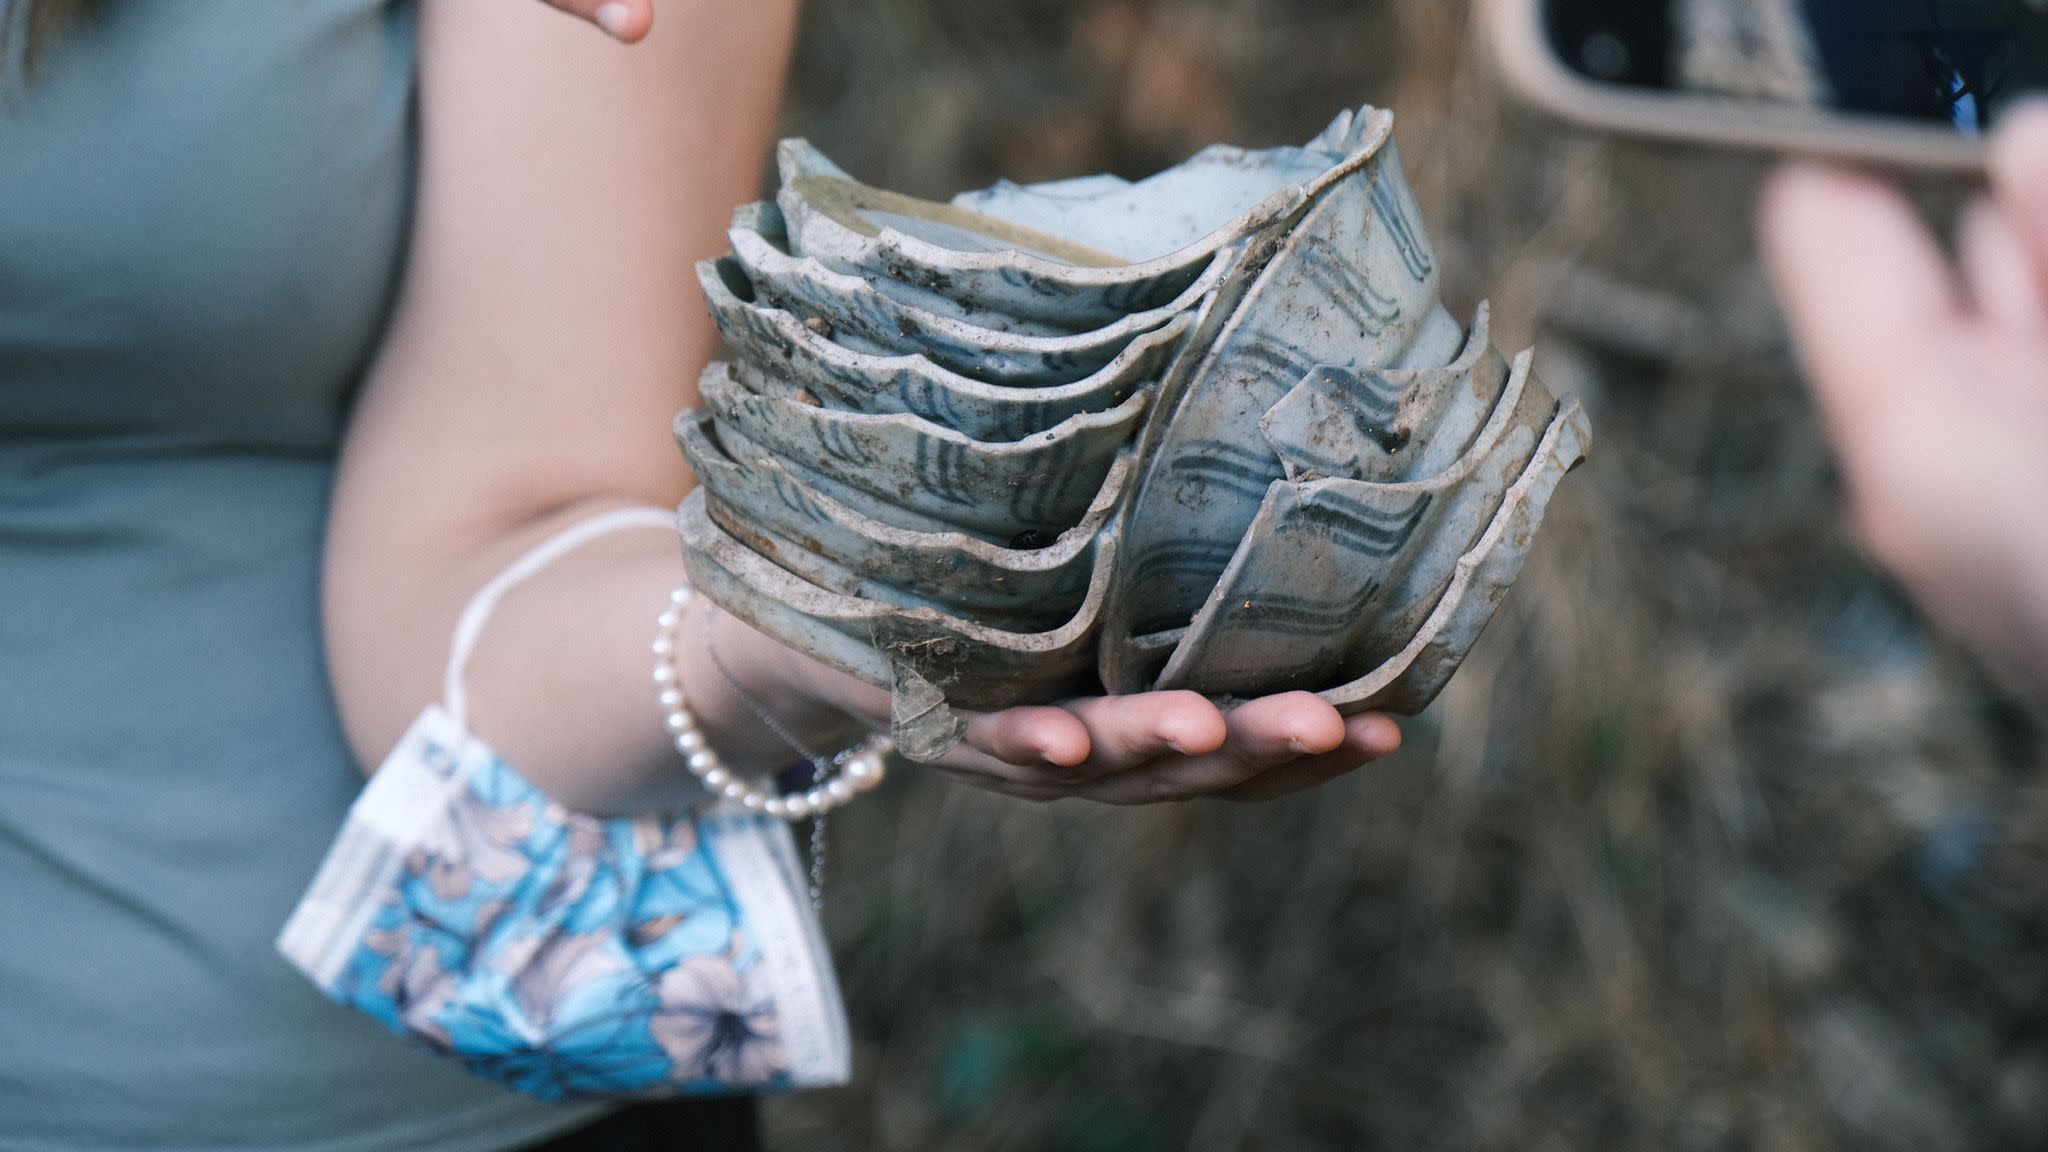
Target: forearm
[560, 682]
[547, 332]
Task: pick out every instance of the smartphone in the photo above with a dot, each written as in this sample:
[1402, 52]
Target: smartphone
[1915, 83]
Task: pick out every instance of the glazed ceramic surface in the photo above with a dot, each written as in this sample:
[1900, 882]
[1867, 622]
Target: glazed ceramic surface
[1212, 429]
[1330, 570]
[776, 353]
[786, 521]
[1387, 424]
[858, 317]
[983, 262]
[887, 466]
[1411, 678]
[1354, 287]
[974, 665]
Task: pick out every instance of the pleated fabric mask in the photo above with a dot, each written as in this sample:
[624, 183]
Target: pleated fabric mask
[560, 954]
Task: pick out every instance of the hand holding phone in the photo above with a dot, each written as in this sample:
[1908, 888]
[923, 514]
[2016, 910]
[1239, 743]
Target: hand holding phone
[1932, 381]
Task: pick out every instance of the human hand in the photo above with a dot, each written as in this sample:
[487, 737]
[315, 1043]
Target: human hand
[626, 21]
[1151, 748]
[1159, 747]
[1933, 383]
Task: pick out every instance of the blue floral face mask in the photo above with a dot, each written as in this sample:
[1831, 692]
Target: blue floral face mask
[564, 955]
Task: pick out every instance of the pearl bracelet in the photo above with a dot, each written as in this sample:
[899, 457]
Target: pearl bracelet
[858, 769]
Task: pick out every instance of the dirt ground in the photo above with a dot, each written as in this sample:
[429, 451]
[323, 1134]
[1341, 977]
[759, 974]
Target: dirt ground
[1710, 846]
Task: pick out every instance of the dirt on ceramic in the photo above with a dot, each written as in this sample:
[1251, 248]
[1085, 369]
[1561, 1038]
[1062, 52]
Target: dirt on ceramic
[1353, 287]
[1327, 580]
[1407, 681]
[775, 352]
[1391, 424]
[887, 466]
[1161, 234]
[1294, 469]
[994, 351]
[972, 665]
[807, 533]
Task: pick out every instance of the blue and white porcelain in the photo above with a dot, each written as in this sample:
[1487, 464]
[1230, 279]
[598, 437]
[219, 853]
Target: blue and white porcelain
[991, 348]
[1213, 429]
[973, 664]
[906, 470]
[773, 511]
[1331, 571]
[1126, 247]
[774, 351]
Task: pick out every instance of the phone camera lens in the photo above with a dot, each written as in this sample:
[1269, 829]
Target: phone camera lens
[1605, 56]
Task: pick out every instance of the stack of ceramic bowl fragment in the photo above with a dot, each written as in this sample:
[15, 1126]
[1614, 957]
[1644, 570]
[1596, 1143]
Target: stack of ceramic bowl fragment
[1210, 430]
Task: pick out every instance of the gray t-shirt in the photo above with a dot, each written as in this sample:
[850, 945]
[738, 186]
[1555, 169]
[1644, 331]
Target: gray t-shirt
[203, 210]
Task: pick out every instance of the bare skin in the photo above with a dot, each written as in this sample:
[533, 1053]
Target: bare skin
[548, 329]
[1932, 379]
[627, 21]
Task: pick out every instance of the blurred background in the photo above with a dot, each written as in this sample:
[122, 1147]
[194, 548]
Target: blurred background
[1710, 845]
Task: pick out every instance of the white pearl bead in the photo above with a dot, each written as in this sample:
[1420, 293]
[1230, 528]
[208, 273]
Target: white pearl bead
[678, 723]
[861, 766]
[869, 782]
[679, 597]
[796, 807]
[664, 646]
[840, 789]
[752, 801]
[732, 790]
[774, 806]
[817, 799]
[667, 621]
[670, 698]
[701, 762]
[689, 740]
[716, 778]
[664, 673]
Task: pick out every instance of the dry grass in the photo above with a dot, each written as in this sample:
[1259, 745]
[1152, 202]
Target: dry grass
[1708, 847]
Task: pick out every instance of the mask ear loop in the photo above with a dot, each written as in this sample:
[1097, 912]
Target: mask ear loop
[469, 627]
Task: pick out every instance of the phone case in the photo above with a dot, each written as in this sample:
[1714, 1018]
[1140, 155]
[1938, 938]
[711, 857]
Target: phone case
[1513, 30]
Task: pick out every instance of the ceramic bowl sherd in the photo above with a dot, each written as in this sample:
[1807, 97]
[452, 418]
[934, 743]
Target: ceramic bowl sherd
[1408, 680]
[1379, 424]
[919, 249]
[770, 509]
[974, 665]
[888, 466]
[775, 352]
[1331, 569]
[1387, 425]
[861, 318]
[1355, 287]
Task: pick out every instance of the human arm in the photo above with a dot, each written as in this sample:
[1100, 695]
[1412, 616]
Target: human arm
[1932, 381]
[547, 331]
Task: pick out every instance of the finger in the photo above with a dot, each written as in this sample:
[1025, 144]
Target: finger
[1262, 734]
[2005, 280]
[2019, 174]
[1125, 732]
[971, 764]
[1032, 737]
[1864, 287]
[626, 21]
[1367, 738]
[1016, 790]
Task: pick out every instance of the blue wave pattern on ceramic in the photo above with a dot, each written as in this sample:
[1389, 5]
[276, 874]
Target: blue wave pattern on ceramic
[559, 954]
[1330, 489]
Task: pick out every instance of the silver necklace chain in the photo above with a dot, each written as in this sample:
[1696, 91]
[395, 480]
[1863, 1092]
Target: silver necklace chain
[821, 764]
